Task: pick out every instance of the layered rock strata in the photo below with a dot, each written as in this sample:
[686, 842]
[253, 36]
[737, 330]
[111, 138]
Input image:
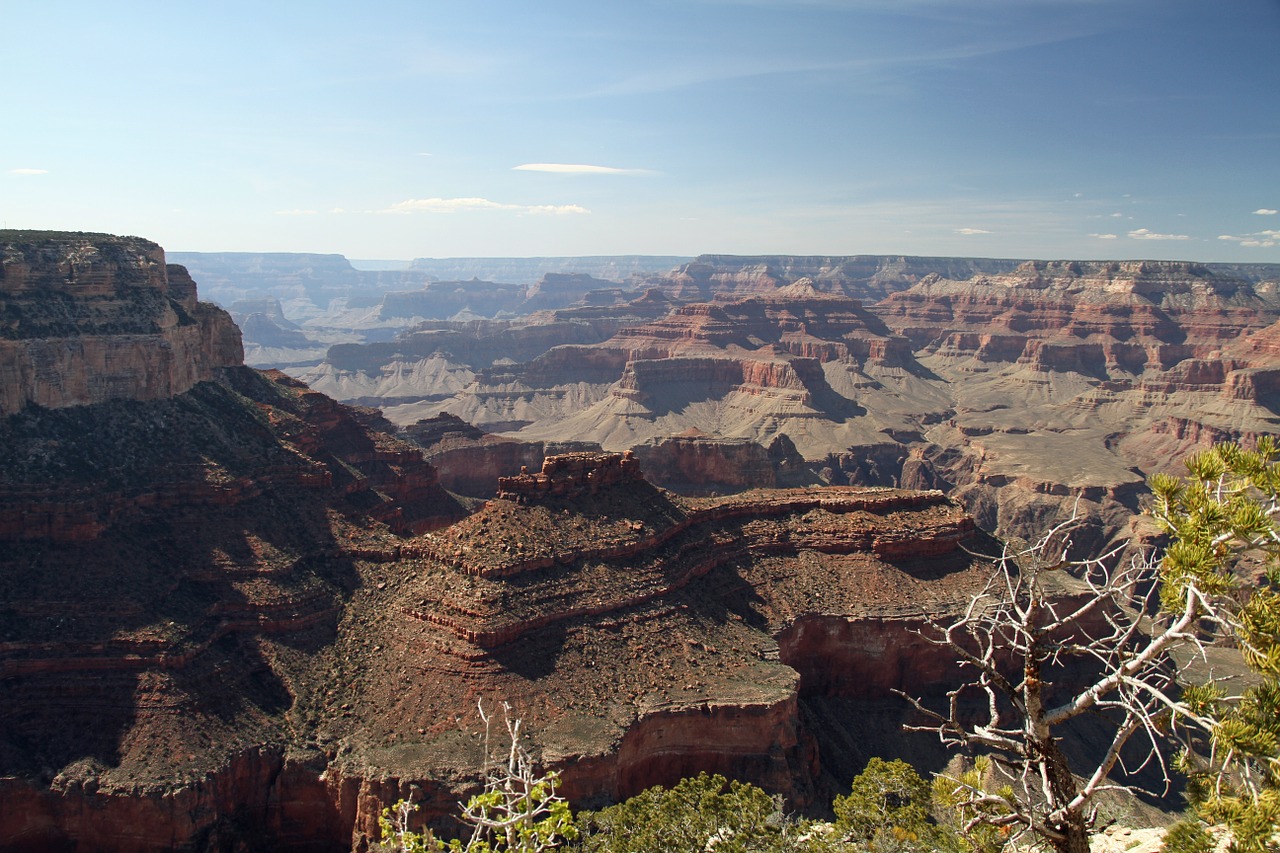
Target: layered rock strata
[1081, 379]
[593, 577]
[1023, 387]
[299, 666]
[86, 318]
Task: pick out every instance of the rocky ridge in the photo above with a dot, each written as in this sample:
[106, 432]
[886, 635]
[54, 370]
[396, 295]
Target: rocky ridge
[1021, 386]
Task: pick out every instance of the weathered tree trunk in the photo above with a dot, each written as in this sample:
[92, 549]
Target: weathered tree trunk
[1072, 828]
[1072, 835]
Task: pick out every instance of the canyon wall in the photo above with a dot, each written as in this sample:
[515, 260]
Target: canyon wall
[87, 319]
[1020, 386]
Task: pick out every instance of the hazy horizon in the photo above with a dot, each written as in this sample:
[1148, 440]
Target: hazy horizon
[1047, 129]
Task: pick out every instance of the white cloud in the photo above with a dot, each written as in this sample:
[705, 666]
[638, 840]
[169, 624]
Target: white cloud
[970, 231]
[577, 169]
[1117, 216]
[1103, 236]
[28, 171]
[1265, 211]
[1144, 234]
[454, 205]
[1258, 239]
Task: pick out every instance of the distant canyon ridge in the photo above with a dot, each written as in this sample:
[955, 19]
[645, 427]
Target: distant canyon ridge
[1019, 386]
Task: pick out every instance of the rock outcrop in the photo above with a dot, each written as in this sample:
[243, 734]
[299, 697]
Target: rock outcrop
[1081, 379]
[86, 318]
[1021, 386]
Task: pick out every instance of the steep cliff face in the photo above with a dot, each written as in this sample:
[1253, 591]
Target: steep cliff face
[88, 318]
[698, 465]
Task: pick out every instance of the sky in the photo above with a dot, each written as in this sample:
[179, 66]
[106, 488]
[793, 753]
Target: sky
[394, 129]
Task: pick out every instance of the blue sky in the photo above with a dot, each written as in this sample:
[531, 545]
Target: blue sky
[997, 128]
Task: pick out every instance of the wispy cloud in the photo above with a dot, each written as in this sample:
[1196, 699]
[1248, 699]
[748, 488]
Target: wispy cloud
[701, 70]
[1144, 234]
[969, 231]
[577, 169]
[1258, 239]
[1103, 236]
[456, 205]
[28, 171]
[1265, 211]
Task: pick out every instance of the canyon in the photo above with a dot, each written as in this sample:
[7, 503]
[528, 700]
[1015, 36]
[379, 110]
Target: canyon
[1023, 388]
[234, 611]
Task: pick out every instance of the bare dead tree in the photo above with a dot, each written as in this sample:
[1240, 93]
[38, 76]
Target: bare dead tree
[519, 809]
[517, 812]
[1035, 659]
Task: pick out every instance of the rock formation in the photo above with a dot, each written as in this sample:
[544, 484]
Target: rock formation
[89, 319]
[697, 464]
[1020, 385]
[1083, 379]
[560, 290]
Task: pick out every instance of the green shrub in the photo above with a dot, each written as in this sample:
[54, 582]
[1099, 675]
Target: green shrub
[887, 808]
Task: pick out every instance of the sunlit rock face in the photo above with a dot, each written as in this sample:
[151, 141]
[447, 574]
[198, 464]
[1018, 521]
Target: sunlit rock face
[1018, 386]
[87, 318]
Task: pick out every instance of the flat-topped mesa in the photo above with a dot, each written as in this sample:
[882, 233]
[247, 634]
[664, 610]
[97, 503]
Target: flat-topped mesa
[571, 475]
[87, 318]
[1138, 315]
